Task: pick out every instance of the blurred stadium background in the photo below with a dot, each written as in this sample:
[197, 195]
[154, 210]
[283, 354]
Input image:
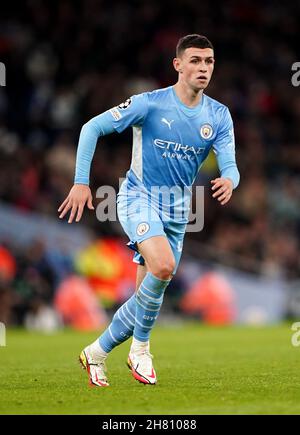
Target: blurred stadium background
[67, 61]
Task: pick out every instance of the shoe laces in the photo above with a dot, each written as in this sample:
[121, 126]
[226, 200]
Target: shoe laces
[100, 364]
[145, 359]
[101, 371]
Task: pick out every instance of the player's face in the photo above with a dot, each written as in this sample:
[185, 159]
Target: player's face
[195, 67]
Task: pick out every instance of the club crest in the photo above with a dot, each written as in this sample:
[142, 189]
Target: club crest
[142, 228]
[206, 131]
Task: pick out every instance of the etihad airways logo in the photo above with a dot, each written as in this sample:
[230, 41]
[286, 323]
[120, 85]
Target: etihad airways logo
[177, 150]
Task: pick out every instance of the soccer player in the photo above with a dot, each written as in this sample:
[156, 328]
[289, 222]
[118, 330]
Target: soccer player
[173, 131]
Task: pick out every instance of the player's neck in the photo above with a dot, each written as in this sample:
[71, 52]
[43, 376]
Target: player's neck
[188, 96]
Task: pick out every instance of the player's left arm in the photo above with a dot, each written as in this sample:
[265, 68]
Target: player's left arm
[224, 147]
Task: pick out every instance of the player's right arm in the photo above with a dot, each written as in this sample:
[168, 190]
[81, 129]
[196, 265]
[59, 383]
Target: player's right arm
[132, 112]
[79, 196]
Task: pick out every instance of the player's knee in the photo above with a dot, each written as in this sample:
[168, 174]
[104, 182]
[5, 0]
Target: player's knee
[164, 268]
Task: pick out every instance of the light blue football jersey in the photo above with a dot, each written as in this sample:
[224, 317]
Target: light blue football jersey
[170, 143]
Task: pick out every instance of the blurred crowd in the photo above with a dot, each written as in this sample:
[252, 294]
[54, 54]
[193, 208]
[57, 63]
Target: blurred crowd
[67, 61]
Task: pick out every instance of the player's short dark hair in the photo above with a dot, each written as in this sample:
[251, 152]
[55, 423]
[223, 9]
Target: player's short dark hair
[195, 40]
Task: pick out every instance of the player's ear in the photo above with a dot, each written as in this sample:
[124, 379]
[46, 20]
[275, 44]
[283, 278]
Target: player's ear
[177, 64]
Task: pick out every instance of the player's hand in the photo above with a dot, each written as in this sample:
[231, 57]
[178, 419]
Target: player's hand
[79, 196]
[222, 188]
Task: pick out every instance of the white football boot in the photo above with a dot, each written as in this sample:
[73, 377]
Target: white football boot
[140, 363]
[95, 369]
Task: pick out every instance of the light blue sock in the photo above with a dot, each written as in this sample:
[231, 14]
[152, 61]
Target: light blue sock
[149, 298]
[121, 326]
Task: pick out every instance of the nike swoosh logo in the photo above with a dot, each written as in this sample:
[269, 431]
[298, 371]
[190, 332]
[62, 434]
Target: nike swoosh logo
[152, 374]
[100, 382]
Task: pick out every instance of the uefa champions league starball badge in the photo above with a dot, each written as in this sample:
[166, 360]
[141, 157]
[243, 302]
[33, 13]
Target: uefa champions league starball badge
[125, 104]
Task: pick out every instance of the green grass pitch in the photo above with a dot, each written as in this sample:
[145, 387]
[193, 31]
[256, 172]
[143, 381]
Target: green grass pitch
[201, 370]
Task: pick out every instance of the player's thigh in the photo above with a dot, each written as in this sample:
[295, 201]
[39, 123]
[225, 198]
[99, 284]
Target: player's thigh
[158, 256]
